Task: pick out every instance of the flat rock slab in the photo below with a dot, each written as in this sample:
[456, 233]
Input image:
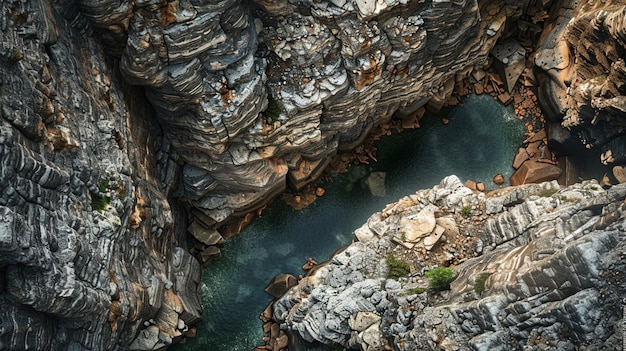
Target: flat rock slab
[419, 225]
[532, 171]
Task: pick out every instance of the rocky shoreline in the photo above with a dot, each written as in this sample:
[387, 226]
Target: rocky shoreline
[531, 261]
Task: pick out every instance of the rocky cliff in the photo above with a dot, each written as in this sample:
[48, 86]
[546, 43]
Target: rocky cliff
[89, 248]
[257, 96]
[539, 267]
[126, 124]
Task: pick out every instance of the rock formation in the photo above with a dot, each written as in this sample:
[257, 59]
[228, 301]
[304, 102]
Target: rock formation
[255, 99]
[538, 266]
[581, 57]
[126, 125]
[89, 248]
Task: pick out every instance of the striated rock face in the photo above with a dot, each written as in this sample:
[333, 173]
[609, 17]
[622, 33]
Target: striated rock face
[88, 243]
[536, 265]
[582, 58]
[255, 97]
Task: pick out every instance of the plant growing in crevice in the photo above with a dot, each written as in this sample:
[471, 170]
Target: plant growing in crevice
[99, 199]
[273, 110]
[466, 211]
[441, 277]
[397, 267]
[479, 284]
[548, 193]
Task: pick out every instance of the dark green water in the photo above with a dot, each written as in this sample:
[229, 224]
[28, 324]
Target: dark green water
[478, 143]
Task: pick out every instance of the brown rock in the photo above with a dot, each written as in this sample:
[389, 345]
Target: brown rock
[532, 171]
[319, 191]
[505, 98]
[470, 184]
[480, 186]
[280, 284]
[498, 179]
[478, 88]
[521, 156]
[620, 174]
[281, 342]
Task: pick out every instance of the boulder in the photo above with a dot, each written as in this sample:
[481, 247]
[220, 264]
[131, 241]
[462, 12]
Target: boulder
[376, 183]
[419, 225]
[498, 179]
[280, 284]
[521, 156]
[205, 235]
[532, 171]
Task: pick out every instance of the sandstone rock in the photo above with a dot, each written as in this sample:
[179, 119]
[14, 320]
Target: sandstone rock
[521, 156]
[619, 173]
[535, 172]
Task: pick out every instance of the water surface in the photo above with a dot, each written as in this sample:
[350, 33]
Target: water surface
[479, 142]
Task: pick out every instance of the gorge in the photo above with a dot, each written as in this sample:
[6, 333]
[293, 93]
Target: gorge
[136, 135]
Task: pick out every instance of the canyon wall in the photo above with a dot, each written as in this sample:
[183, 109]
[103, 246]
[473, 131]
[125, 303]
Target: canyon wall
[89, 244]
[127, 124]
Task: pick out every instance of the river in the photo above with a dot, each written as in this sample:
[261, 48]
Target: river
[479, 142]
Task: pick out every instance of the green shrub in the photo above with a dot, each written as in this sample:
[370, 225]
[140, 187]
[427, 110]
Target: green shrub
[466, 210]
[273, 111]
[397, 268]
[479, 286]
[441, 277]
[548, 193]
[99, 202]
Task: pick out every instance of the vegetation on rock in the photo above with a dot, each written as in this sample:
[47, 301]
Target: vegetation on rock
[397, 267]
[441, 277]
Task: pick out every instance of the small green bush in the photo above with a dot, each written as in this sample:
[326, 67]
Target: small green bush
[441, 277]
[479, 286]
[273, 111]
[397, 268]
[99, 202]
[548, 193]
[466, 210]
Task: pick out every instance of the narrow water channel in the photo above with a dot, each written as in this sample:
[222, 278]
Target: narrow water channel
[478, 143]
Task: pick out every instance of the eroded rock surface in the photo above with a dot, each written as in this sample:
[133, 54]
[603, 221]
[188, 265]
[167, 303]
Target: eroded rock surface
[537, 265]
[89, 255]
[255, 97]
[583, 93]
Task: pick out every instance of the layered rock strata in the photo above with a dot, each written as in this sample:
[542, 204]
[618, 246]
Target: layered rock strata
[581, 57]
[89, 255]
[254, 99]
[537, 266]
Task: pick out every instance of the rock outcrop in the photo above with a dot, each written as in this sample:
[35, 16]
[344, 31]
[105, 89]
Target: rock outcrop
[255, 99]
[536, 265]
[89, 250]
[582, 63]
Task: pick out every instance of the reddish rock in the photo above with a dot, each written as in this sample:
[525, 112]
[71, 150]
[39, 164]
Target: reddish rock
[280, 284]
[470, 184]
[521, 156]
[532, 171]
[505, 98]
[478, 88]
[498, 179]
